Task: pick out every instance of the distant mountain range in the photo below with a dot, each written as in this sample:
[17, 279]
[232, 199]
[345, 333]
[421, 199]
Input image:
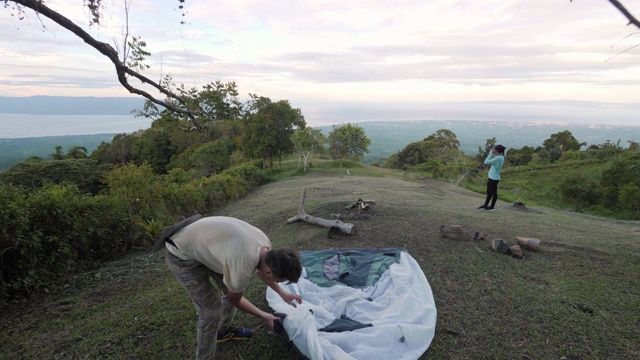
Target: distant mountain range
[70, 105]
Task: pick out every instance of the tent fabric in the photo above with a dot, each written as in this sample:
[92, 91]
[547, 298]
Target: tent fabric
[359, 304]
[352, 267]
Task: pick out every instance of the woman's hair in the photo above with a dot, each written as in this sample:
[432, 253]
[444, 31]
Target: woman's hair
[285, 264]
[500, 149]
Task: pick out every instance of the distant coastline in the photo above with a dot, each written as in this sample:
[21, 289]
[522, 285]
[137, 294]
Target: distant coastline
[387, 137]
[14, 126]
[42, 122]
[69, 105]
[326, 113]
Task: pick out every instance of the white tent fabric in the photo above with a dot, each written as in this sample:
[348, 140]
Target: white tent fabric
[399, 306]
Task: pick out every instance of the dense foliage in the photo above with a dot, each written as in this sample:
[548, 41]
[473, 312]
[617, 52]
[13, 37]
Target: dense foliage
[347, 140]
[79, 209]
[602, 179]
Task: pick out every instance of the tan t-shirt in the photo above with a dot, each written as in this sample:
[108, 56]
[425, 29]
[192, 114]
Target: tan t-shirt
[226, 245]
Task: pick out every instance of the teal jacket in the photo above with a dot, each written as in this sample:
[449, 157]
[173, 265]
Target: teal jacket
[496, 162]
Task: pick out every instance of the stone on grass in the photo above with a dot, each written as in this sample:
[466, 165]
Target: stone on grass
[519, 205]
[453, 232]
[516, 251]
[480, 235]
[500, 246]
[528, 243]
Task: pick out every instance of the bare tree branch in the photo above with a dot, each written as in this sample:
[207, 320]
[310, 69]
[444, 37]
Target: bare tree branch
[107, 50]
[622, 52]
[626, 13]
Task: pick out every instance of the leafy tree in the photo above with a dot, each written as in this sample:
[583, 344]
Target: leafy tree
[212, 157]
[520, 157]
[456, 165]
[154, 148]
[347, 140]
[607, 150]
[268, 128]
[571, 155]
[563, 139]
[86, 174]
[436, 147]
[620, 173]
[214, 102]
[117, 152]
[58, 155]
[442, 140]
[306, 141]
[482, 153]
[77, 152]
[413, 154]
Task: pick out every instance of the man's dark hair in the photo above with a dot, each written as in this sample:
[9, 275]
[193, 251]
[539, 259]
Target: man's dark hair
[285, 264]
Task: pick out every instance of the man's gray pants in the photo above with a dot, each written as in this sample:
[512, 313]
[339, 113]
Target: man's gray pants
[211, 302]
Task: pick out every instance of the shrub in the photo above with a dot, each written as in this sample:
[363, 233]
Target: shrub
[629, 199]
[54, 231]
[252, 174]
[579, 190]
[142, 194]
[14, 216]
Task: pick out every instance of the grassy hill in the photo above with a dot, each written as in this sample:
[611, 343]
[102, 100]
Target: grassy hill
[577, 298]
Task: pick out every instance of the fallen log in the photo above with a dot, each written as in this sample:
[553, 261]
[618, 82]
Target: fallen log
[345, 228]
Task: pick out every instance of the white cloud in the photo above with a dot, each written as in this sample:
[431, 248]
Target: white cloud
[326, 50]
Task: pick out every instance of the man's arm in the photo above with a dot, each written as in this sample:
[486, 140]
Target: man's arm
[243, 304]
[286, 296]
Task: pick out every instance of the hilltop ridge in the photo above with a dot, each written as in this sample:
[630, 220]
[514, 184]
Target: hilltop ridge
[575, 298]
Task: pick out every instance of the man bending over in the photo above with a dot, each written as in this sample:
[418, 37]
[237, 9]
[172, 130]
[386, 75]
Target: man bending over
[228, 251]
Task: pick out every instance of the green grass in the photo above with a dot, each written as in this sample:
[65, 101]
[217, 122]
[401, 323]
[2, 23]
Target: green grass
[576, 298]
[537, 185]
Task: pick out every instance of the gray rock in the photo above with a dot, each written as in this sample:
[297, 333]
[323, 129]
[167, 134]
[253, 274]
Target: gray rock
[516, 251]
[500, 246]
[453, 232]
[528, 243]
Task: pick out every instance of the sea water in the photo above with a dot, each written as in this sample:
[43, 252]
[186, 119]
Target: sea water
[22, 125]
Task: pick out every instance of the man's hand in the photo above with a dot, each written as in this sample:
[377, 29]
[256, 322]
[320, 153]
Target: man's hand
[270, 320]
[289, 297]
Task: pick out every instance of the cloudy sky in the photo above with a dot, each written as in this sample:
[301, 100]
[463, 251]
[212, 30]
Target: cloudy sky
[353, 60]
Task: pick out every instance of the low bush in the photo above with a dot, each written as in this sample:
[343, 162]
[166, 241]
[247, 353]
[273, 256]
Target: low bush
[58, 229]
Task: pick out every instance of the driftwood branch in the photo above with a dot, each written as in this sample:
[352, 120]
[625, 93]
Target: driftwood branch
[344, 228]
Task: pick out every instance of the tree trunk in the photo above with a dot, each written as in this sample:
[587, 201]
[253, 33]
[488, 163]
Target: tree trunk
[344, 228]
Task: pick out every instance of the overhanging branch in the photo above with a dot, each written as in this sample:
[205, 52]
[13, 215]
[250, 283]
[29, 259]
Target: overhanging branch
[108, 51]
[626, 13]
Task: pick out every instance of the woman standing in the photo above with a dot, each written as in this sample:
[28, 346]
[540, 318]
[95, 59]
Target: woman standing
[496, 160]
